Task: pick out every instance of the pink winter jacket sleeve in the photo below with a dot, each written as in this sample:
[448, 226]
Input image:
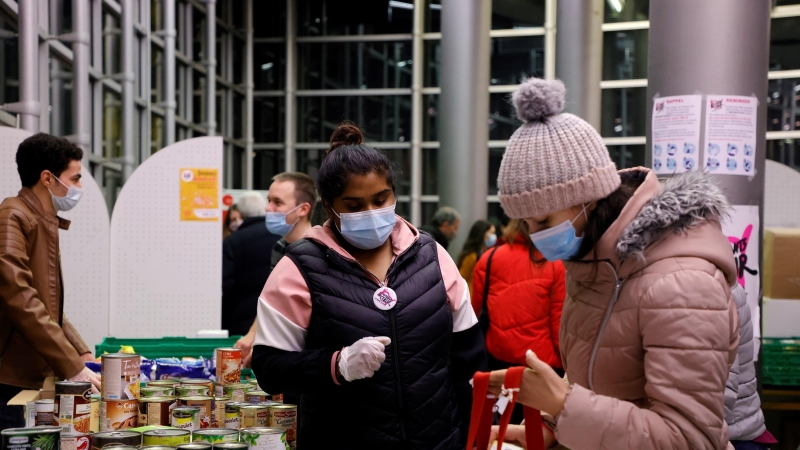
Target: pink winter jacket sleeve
[687, 353]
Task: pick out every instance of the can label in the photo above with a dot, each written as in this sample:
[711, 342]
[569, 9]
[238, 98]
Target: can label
[232, 420]
[73, 412]
[235, 392]
[72, 442]
[190, 390]
[285, 418]
[271, 441]
[116, 415]
[30, 439]
[215, 438]
[121, 377]
[169, 440]
[94, 416]
[156, 391]
[186, 420]
[219, 412]
[156, 413]
[229, 366]
[206, 406]
[254, 417]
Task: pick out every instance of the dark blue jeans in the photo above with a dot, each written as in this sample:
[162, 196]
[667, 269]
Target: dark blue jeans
[748, 445]
[10, 416]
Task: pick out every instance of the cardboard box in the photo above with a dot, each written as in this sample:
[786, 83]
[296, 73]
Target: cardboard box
[781, 270]
[781, 318]
[27, 399]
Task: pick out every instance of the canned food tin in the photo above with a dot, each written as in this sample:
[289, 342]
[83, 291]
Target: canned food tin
[231, 446]
[219, 412]
[200, 381]
[121, 447]
[76, 442]
[186, 418]
[157, 391]
[121, 375]
[206, 405]
[166, 437]
[191, 390]
[155, 410]
[195, 446]
[164, 383]
[116, 415]
[214, 435]
[236, 392]
[156, 447]
[72, 409]
[104, 439]
[254, 416]
[254, 383]
[264, 438]
[94, 418]
[232, 419]
[44, 413]
[229, 366]
[30, 438]
[285, 416]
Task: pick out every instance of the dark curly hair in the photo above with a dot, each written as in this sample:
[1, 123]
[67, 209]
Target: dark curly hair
[42, 152]
[347, 156]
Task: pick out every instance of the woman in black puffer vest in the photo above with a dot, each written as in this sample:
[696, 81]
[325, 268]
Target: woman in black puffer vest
[368, 319]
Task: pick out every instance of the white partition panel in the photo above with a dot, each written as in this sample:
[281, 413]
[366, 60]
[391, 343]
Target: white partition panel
[84, 247]
[781, 196]
[166, 274]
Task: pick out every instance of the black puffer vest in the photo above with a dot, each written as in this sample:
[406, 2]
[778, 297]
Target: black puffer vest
[410, 402]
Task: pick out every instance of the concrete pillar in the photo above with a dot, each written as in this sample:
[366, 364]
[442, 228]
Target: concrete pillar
[464, 103]
[714, 47]
[81, 94]
[290, 110]
[249, 87]
[127, 79]
[416, 112]
[579, 56]
[211, 66]
[687, 56]
[170, 97]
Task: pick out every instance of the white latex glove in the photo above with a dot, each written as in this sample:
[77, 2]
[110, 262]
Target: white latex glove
[363, 358]
[87, 375]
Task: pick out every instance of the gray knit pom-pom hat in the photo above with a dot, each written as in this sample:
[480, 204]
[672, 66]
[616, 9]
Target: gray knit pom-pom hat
[555, 160]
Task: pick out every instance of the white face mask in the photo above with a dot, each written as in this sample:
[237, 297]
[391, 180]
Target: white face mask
[235, 225]
[68, 201]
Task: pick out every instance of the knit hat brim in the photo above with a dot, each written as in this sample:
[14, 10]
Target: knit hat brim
[599, 183]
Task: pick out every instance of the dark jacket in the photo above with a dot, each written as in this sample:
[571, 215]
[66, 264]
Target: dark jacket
[420, 397]
[440, 238]
[246, 259]
[36, 340]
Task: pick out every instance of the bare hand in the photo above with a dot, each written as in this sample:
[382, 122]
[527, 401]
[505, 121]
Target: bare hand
[246, 344]
[515, 434]
[541, 386]
[87, 357]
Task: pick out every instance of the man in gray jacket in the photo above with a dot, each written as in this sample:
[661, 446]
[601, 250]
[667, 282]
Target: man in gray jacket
[742, 404]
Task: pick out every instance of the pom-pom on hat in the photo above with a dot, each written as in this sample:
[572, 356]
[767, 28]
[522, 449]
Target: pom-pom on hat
[555, 160]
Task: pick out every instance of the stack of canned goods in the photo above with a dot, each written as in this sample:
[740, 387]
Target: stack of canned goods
[119, 408]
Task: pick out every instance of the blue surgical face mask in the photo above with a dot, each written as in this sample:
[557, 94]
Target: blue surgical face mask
[490, 240]
[69, 200]
[276, 222]
[367, 230]
[559, 242]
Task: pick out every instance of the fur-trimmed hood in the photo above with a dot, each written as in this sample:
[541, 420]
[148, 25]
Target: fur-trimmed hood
[685, 201]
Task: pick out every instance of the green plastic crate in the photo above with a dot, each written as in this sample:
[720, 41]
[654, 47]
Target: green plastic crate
[167, 347]
[781, 362]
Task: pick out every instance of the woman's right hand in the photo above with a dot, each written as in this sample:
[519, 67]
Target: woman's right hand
[363, 358]
[515, 434]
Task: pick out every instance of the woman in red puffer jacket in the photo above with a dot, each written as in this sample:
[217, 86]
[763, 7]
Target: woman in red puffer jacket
[526, 294]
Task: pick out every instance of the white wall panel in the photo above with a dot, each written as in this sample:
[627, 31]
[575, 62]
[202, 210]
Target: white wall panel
[166, 275]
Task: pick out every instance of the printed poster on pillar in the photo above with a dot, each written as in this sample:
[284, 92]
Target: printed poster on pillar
[730, 134]
[676, 133]
[199, 194]
[742, 231]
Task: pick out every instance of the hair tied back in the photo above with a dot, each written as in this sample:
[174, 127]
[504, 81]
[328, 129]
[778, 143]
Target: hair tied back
[347, 133]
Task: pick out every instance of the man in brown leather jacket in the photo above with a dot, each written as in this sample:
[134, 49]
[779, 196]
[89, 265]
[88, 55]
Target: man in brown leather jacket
[36, 340]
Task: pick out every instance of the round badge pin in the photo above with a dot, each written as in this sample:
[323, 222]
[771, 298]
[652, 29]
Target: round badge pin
[385, 298]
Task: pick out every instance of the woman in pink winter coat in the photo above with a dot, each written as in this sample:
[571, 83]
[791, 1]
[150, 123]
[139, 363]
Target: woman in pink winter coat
[649, 328]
